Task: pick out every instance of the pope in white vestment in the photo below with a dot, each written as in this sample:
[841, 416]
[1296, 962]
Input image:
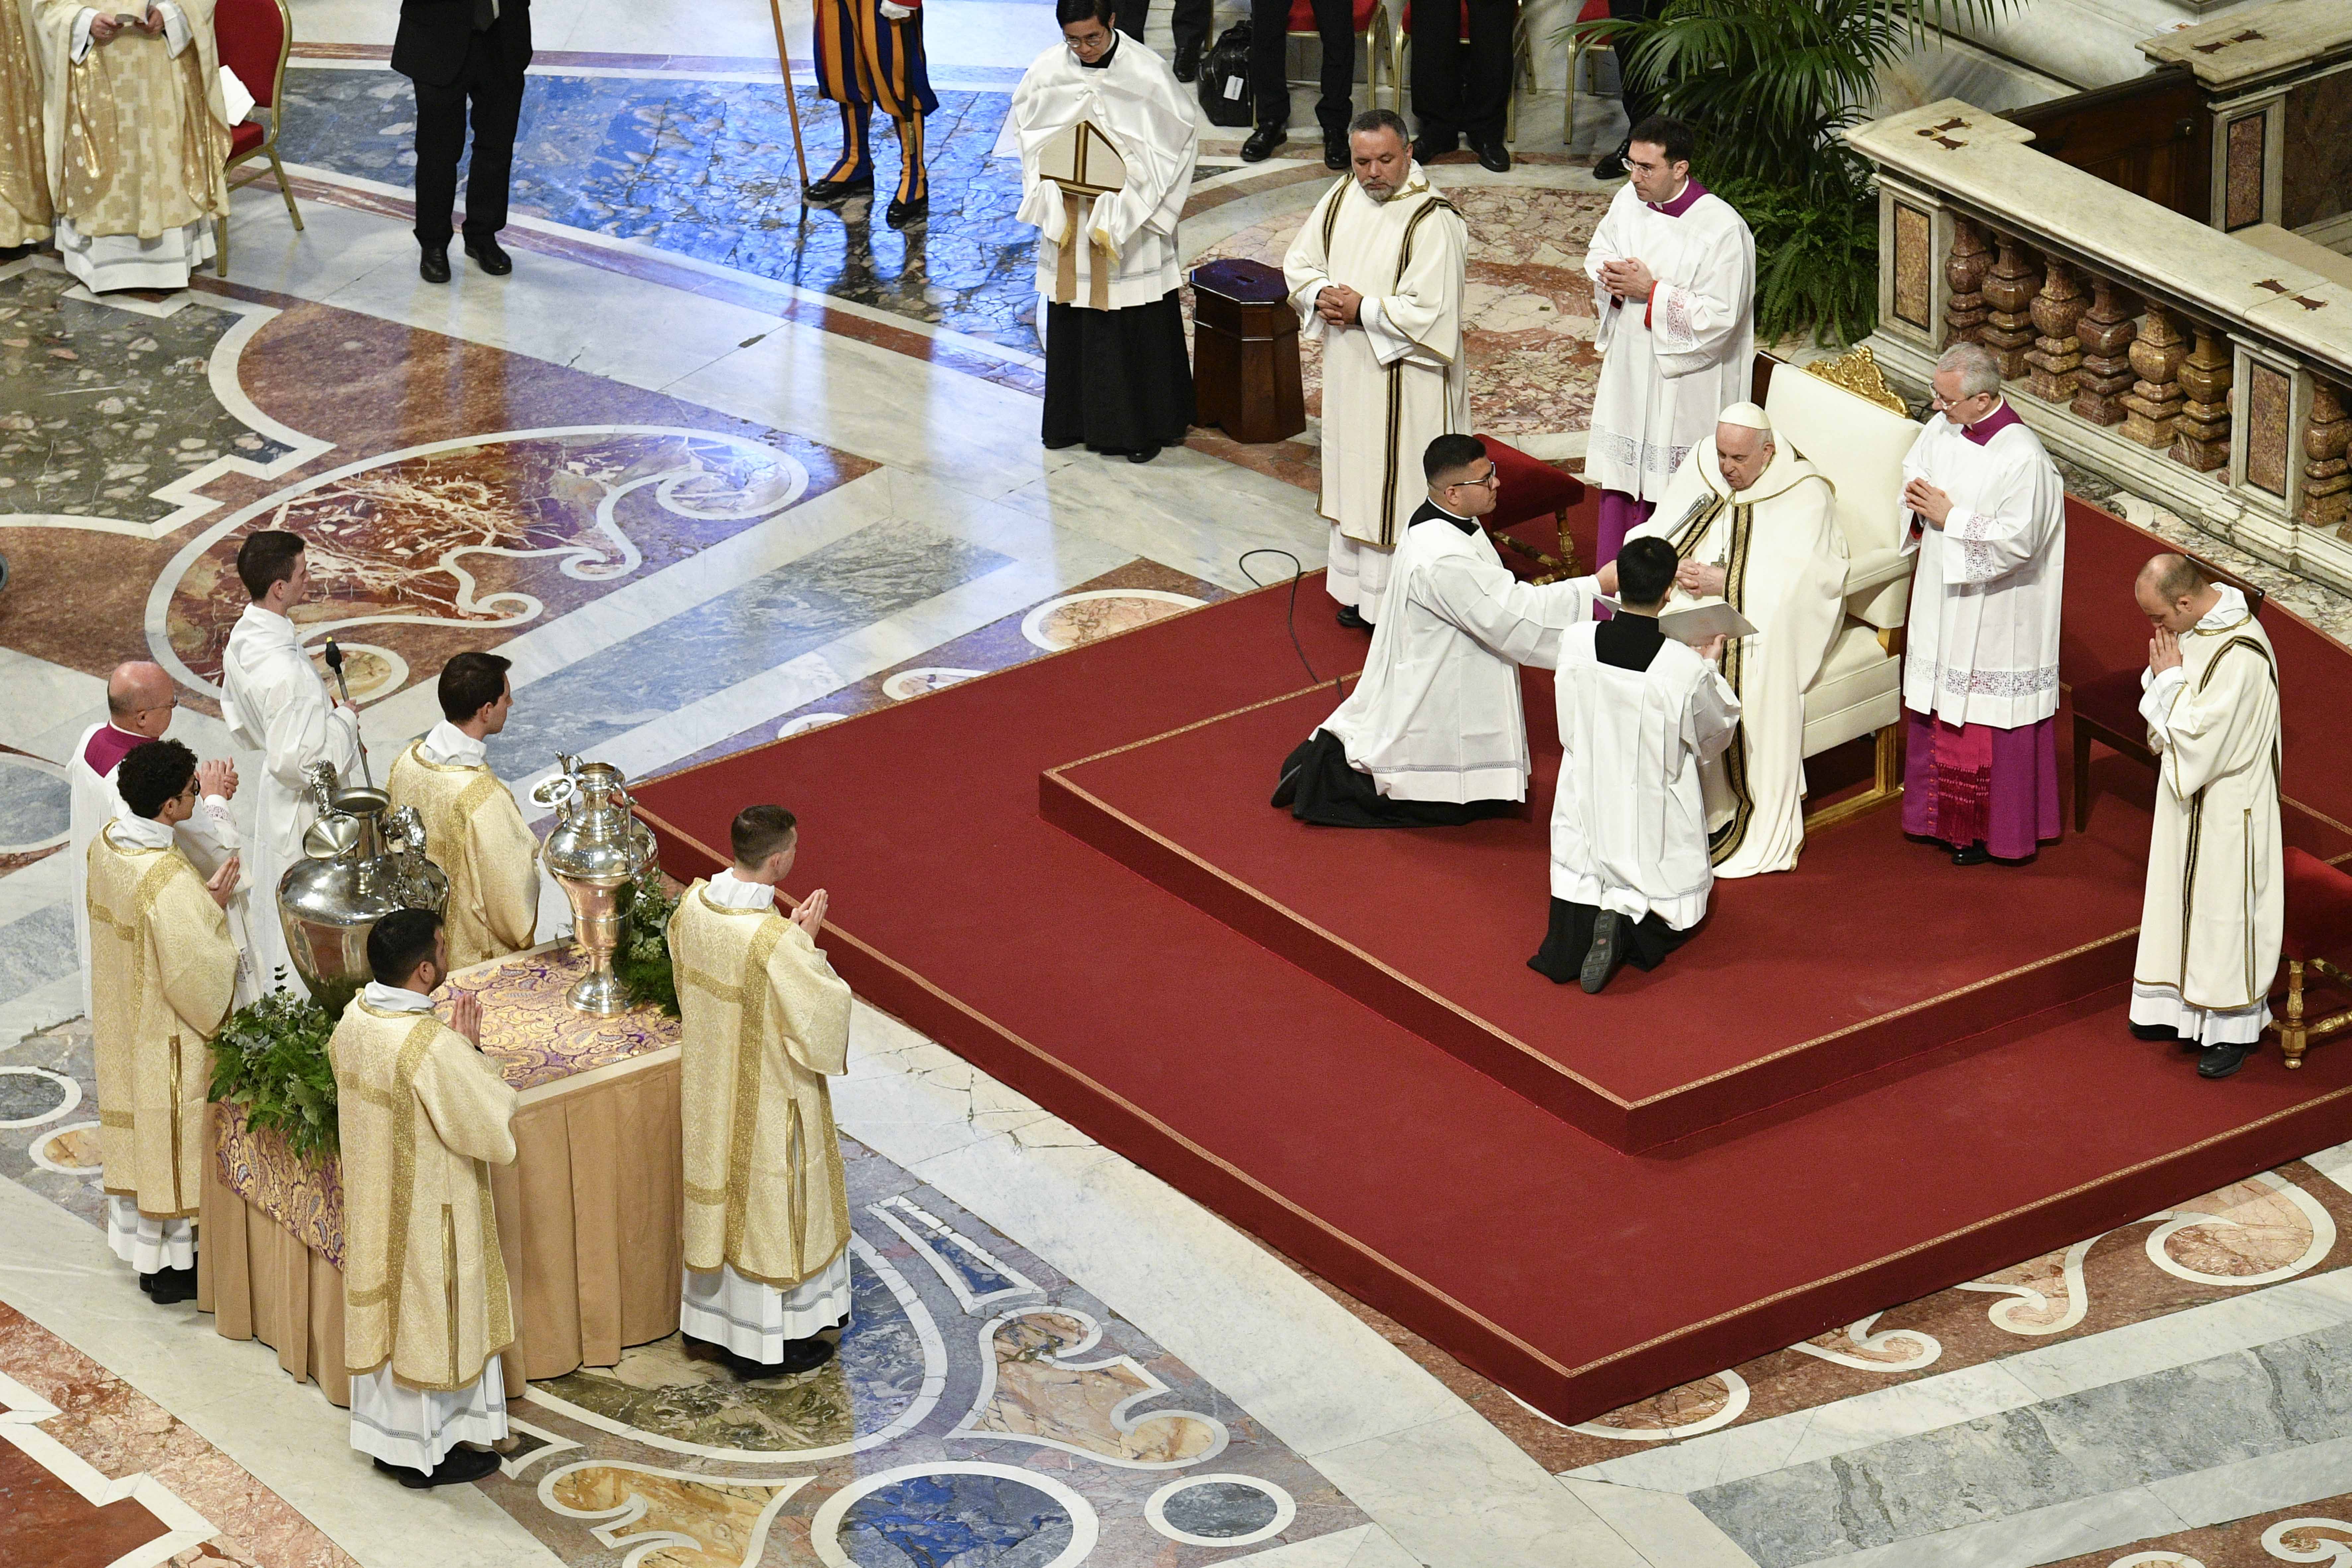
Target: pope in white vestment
[1987, 518]
[1396, 253]
[1675, 352]
[1639, 713]
[275, 703]
[2215, 909]
[1433, 734]
[1759, 531]
[1107, 266]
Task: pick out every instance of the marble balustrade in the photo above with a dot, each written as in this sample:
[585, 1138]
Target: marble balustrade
[2186, 365]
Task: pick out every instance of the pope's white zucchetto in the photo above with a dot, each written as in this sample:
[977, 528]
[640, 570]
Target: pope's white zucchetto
[1746, 416]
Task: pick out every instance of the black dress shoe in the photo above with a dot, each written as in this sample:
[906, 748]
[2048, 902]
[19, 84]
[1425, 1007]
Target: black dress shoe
[2220, 1061]
[1427, 150]
[799, 1356]
[899, 214]
[490, 257]
[1188, 62]
[173, 1285]
[1335, 149]
[460, 1464]
[147, 1284]
[1612, 167]
[841, 190]
[1493, 155]
[434, 265]
[1606, 952]
[1349, 618]
[1143, 454]
[1262, 142]
[1973, 855]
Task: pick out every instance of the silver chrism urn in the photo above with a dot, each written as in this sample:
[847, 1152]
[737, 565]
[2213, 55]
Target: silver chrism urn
[596, 850]
[363, 859]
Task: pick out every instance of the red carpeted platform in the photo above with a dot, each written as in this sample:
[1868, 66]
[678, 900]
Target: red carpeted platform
[1578, 1274]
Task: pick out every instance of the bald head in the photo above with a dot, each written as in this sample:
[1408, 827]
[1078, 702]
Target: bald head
[2174, 591]
[139, 699]
[1744, 451]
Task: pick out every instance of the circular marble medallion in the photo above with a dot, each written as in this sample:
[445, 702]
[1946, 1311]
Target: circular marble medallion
[1076, 619]
[973, 1515]
[70, 1150]
[1220, 1510]
[30, 1095]
[918, 682]
[35, 805]
[370, 671]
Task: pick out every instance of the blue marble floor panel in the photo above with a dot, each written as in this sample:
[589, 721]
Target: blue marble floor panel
[705, 169]
[35, 949]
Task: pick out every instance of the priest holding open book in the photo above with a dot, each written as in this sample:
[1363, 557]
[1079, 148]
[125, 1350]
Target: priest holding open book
[1107, 141]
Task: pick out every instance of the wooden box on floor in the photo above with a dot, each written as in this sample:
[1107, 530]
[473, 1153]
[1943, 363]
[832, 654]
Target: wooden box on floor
[1246, 352]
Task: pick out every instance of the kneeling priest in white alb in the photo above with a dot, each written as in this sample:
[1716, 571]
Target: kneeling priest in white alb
[766, 1023]
[1638, 713]
[1434, 735]
[1754, 525]
[423, 1116]
[2215, 910]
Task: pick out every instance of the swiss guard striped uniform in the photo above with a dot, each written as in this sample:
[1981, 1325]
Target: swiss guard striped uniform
[867, 57]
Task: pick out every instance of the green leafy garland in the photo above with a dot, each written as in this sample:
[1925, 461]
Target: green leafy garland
[641, 957]
[271, 1058]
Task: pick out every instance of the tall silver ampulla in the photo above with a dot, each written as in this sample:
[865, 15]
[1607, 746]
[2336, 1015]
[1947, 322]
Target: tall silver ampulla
[363, 860]
[597, 848]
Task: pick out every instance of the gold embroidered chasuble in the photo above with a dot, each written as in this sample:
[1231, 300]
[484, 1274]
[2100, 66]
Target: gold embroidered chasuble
[424, 1117]
[24, 157]
[2215, 908]
[135, 139]
[474, 832]
[766, 1023]
[163, 970]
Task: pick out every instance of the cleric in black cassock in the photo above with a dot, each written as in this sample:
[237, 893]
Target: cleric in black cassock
[1117, 378]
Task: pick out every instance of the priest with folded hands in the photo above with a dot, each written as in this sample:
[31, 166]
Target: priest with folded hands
[426, 1312]
[1434, 735]
[163, 975]
[765, 1023]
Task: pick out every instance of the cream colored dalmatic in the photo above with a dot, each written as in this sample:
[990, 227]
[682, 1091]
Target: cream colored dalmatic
[1784, 564]
[2216, 903]
[136, 135]
[474, 832]
[424, 1117]
[162, 972]
[25, 210]
[1399, 381]
[766, 1023]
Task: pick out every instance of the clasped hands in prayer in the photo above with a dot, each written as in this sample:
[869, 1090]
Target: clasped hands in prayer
[106, 25]
[1630, 279]
[1339, 305]
[1929, 502]
[2163, 652]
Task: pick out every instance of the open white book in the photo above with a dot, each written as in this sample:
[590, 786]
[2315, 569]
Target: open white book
[1697, 624]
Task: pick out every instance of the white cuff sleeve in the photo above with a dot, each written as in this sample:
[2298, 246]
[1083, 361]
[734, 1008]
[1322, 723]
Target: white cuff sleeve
[1388, 347]
[2157, 697]
[176, 36]
[82, 33]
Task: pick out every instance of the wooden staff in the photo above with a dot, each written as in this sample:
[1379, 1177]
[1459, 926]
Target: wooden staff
[792, 99]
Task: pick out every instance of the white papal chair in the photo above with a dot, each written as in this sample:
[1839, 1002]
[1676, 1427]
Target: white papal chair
[1859, 442]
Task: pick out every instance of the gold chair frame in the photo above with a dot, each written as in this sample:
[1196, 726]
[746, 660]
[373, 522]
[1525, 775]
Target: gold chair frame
[267, 149]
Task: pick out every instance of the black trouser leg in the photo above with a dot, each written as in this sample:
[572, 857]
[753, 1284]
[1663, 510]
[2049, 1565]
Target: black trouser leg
[1336, 21]
[1486, 73]
[1437, 73]
[1191, 21]
[1639, 104]
[440, 138]
[1130, 17]
[497, 110]
[1269, 50]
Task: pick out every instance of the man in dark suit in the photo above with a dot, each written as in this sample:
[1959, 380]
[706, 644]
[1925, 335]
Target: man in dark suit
[1335, 22]
[1462, 88]
[454, 51]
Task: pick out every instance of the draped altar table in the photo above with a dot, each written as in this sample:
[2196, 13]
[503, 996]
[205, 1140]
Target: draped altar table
[588, 1214]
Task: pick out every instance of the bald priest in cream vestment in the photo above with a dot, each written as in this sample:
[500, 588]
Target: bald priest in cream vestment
[1376, 275]
[423, 1116]
[473, 830]
[25, 211]
[2215, 908]
[136, 134]
[1753, 524]
[766, 1023]
[162, 972]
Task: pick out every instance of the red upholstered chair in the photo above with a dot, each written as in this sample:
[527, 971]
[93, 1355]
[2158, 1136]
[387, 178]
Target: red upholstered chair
[2318, 922]
[1523, 62]
[1371, 25]
[1532, 492]
[2106, 709]
[255, 36]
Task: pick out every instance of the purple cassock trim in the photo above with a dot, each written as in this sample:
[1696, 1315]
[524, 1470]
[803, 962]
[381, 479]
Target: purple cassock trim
[107, 747]
[1992, 424]
[1692, 191]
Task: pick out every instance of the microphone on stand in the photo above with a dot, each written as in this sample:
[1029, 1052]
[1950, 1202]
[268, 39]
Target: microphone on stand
[335, 654]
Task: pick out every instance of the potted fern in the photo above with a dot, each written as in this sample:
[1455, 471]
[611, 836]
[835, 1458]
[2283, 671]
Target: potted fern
[271, 1059]
[1769, 85]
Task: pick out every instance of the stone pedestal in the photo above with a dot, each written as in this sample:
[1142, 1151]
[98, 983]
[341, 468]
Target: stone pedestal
[2056, 352]
[1964, 270]
[2155, 401]
[2326, 476]
[2010, 289]
[2200, 435]
[2105, 331]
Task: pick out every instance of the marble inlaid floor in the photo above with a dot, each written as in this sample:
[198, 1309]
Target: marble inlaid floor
[710, 474]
